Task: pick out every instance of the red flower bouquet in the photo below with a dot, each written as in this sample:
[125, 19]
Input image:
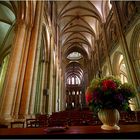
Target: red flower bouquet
[109, 93]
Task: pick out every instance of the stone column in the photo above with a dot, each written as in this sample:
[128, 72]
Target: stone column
[28, 79]
[98, 56]
[107, 51]
[31, 111]
[11, 81]
[50, 109]
[22, 67]
[42, 87]
[54, 89]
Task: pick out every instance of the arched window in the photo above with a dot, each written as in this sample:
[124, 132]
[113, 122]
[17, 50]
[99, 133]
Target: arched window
[74, 56]
[110, 6]
[73, 80]
[122, 68]
[135, 50]
[119, 67]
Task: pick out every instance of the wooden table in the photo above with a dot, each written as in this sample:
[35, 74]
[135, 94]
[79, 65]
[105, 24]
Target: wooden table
[82, 132]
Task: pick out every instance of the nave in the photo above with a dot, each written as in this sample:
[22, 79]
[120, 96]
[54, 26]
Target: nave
[50, 51]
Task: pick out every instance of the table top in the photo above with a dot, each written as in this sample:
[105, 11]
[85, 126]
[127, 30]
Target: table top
[127, 131]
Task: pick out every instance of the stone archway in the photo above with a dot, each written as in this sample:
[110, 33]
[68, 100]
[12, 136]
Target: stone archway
[135, 49]
[120, 67]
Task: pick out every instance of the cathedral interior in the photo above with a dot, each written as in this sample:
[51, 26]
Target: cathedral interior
[51, 50]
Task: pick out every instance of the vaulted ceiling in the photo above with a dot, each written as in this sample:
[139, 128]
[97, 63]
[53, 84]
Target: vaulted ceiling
[8, 12]
[79, 23]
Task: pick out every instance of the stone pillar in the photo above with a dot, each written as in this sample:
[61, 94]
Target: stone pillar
[31, 111]
[42, 87]
[107, 51]
[98, 56]
[28, 80]
[23, 67]
[54, 89]
[11, 81]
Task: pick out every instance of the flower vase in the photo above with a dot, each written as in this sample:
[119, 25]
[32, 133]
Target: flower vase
[109, 118]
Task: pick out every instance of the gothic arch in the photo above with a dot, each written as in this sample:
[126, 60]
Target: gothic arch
[105, 71]
[135, 49]
[119, 67]
[115, 63]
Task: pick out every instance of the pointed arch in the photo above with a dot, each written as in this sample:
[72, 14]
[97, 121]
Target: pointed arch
[120, 67]
[135, 49]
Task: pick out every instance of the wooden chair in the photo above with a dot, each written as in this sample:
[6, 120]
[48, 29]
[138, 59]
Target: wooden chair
[17, 124]
[76, 122]
[43, 120]
[31, 123]
[137, 114]
[57, 122]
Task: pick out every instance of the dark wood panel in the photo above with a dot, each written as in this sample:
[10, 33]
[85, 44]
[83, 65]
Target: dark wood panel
[82, 132]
